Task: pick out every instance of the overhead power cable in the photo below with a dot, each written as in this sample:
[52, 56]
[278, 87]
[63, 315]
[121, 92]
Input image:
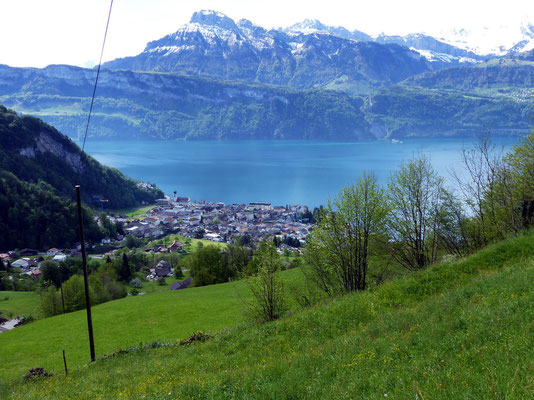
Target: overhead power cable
[94, 90]
[79, 204]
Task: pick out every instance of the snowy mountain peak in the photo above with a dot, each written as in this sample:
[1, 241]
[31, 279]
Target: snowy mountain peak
[494, 41]
[308, 26]
[213, 18]
[527, 29]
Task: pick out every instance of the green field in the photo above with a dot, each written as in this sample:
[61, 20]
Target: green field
[459, 330]
[158, 315]
[194, 242]
[18, 304]
[135, 211]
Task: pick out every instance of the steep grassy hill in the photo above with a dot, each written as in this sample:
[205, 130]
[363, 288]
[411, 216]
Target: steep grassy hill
[163, 316]
[461, 329]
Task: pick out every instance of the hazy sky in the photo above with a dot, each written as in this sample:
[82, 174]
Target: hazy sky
[41, 32]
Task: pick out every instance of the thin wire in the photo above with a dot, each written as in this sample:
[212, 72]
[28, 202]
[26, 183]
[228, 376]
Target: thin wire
[94, 91]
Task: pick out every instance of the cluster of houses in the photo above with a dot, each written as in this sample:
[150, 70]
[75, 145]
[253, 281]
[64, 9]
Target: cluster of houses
[218, 222]
[29, 260]
[208, 220]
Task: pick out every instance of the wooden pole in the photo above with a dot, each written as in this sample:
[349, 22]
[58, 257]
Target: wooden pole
[85, 279]
[62, 298]
[65, 363]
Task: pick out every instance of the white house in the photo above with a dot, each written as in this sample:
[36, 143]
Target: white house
[21, 263]
[59, 258]
[52, 252]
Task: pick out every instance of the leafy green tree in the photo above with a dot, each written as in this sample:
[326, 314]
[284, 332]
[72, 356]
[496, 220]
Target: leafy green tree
[50, 301]
[208, 266]
[418, 206]
[238, 257]
[483, 185]
[54, 273]
[268, 298]
[5, 282]
[109, 229]
[338, 249]
[133, 242]
[136, 283]
[137, 259]
[178, 273]
[107, 275]
[520, 193]
[74, 292]
[99, 291]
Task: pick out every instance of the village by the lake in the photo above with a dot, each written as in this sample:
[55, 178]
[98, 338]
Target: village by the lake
[171, 216]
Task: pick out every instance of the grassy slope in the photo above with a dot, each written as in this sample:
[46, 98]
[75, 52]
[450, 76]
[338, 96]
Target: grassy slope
[194, 242]
[459, 330]
[19, 304]
[166, 316]
[134, 211]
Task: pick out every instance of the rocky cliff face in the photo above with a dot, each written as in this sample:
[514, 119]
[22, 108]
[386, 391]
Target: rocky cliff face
[46, 143]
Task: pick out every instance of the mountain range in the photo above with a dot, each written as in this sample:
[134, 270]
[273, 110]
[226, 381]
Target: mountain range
[310, 54]
[213, 45]
[215, 78]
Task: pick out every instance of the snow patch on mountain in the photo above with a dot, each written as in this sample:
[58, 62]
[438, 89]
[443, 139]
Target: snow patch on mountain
[498, 41]
[433, 56]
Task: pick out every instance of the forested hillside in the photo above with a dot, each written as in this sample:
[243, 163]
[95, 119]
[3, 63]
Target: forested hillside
[32, 216]
[147, 105]
[38, 172]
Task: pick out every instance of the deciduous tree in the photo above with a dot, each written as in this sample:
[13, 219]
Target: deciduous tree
[268, 299]
[418, 201]
[337, 251]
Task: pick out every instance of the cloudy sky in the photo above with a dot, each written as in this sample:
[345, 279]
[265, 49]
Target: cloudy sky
[36, 33]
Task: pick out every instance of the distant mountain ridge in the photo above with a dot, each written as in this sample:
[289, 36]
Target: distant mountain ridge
[495, 42]
[215, 78]
[213, 45]
[148, 105]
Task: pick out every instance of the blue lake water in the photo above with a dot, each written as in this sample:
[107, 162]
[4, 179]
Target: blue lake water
[279, 172]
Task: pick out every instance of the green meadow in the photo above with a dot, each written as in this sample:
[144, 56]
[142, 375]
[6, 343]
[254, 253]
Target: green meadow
[157, 316]
[18, 304]
[462, 329]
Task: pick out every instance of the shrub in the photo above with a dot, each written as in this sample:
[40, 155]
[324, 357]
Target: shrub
[136, 283]
[268, 300]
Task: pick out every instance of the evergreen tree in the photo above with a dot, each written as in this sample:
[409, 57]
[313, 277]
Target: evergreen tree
[125, 272]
